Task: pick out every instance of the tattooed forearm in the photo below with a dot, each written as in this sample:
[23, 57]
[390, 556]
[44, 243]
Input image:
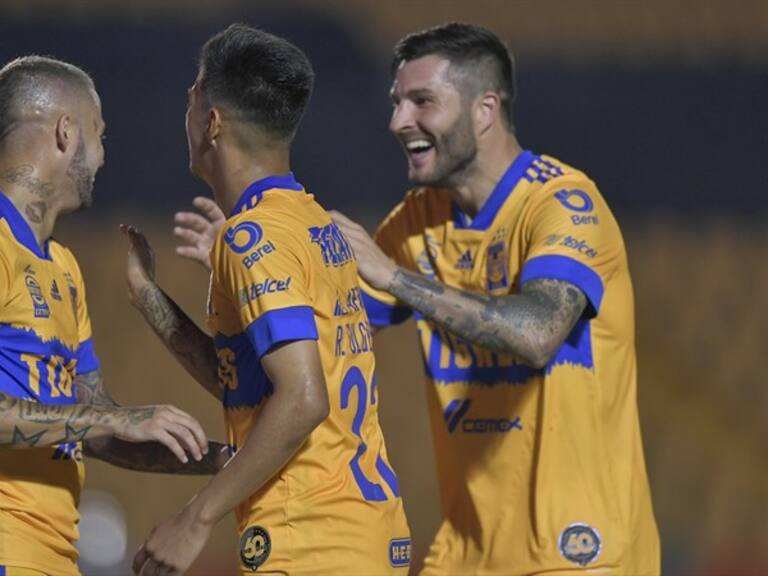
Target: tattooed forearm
[531, 325]
[154, 457]
[26, 424]
[192, 347]
[89, 389]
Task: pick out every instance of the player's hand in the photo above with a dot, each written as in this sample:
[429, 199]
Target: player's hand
[172, 546]
[373, 265]
[174, 428]
[140, 268]
[198, 231]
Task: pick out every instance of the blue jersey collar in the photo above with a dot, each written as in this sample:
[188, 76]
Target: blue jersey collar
[496, 200]
[255, 191]
[20, 228]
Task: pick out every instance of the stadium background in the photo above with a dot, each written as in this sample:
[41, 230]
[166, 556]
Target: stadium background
[662, 103]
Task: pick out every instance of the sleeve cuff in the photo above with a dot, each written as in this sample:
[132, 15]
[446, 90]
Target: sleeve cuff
[567, 269]
[284, 324]
[382, 314]
[86, 357]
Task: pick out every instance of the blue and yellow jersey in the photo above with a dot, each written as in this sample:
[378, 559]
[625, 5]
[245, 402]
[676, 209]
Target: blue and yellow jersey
[539, 470]
[45, 340]
[282, 271]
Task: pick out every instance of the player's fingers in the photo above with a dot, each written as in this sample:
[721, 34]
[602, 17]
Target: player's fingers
[192, 221]
[191, 424]
[186, 439]
[189, 236]
[188, 252]
[208, 207]
[170, 442]
[338, 217]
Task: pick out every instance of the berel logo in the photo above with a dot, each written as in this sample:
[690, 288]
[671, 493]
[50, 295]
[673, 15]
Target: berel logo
[456, 411]
[243, 237]
[576, 200]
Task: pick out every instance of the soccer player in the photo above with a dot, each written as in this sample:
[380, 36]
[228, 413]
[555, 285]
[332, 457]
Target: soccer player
[515, 270]
[291, 357]
[53, 404]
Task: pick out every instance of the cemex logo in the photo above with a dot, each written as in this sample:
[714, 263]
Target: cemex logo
[454, 414]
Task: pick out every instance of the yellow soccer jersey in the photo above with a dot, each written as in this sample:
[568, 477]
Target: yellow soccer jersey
[45, 339]
[282, 271]
[539, 470]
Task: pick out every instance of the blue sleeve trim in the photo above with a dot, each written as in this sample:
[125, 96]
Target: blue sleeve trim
[569, 270]
[87, 361]
[381, 314]
[284, 324]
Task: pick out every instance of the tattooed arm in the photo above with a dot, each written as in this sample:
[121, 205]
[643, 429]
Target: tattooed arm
[191, 347]
[27, 424]
[531, 325]
[144, 456]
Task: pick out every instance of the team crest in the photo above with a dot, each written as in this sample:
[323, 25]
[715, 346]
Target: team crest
[255, 546]
[497, 267]
[580, 544]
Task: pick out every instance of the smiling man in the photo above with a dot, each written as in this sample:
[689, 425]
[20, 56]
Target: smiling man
[515, 271]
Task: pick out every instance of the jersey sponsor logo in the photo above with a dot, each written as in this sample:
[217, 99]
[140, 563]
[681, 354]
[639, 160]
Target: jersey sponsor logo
[578, 201]
[334, 248]
[575, 200]
[400, 552]
[455, 414]
[465, 261]
[36, 294]
[497, 267]
[255, 546]
[580, 544]
[267, 286]
[569, 241]
[243, 237]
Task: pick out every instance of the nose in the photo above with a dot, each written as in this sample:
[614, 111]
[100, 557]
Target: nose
[402, 118]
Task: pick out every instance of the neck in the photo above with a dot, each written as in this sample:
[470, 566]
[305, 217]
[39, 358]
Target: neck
[34, 197]
[234, 172]
[481, 177]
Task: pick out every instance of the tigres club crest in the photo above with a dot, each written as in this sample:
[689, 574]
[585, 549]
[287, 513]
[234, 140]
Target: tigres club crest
[255, 546]
[580, 543]
[497, 268]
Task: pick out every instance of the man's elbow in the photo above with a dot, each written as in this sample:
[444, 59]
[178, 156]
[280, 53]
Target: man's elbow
[540, 352]
[312, 410]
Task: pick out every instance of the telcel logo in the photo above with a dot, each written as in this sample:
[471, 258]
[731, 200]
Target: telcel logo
[267, 286]
[456, 411]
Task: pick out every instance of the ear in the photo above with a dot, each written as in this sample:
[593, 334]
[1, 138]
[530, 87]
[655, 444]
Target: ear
[213, 129]
[486, 111]
[65, 133]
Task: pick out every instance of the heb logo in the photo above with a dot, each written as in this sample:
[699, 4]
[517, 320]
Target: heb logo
[400, 552]
[456, 410]
[258, 289]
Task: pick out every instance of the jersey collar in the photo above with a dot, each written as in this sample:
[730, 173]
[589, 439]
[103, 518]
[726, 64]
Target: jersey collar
[20, 228]
[255, 191]
[497, 198]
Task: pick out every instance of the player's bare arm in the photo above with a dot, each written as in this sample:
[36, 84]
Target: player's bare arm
[297, 406]
[531, 325]
[145, 456]
[191, 347]
[27, 424]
